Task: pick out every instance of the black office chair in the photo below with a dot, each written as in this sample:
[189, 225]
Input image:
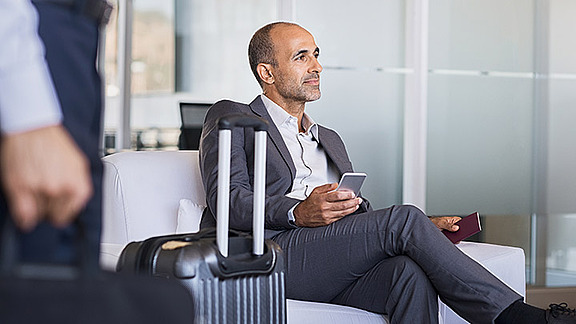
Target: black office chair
[192, 117]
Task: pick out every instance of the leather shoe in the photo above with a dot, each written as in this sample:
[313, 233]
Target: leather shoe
[560, 314]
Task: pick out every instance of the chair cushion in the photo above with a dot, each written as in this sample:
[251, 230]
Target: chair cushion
[189, 216]
[142, 191]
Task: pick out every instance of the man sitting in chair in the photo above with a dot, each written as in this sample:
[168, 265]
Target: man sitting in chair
[392, 261]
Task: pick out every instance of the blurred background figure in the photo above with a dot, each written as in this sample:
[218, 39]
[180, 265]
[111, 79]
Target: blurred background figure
[50, 118]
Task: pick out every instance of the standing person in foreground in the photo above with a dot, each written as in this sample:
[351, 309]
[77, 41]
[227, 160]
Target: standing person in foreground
[391, 261]
[50, 112]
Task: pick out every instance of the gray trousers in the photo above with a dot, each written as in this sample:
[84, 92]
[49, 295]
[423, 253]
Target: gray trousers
[391, 261]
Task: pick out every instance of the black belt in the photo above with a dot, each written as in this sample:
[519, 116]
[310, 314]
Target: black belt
[99, 10]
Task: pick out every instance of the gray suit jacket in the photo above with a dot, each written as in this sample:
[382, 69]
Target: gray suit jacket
[280, 169]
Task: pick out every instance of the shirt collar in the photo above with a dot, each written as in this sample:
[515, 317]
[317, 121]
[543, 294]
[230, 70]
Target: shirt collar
[280, 116]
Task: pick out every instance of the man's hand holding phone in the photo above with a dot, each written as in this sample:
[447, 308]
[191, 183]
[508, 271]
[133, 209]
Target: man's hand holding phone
[329, 203]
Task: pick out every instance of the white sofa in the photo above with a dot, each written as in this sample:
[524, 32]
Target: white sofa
[142, 198]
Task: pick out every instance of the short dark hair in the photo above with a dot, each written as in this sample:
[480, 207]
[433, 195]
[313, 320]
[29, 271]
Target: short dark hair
[261, 48]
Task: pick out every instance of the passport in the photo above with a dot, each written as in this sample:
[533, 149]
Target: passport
[469, 226]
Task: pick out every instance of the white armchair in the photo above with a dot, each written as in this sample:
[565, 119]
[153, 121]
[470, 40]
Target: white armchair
[142, 193]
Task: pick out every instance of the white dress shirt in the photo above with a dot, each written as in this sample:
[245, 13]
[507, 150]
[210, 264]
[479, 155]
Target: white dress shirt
[313, 168]
[27, 96]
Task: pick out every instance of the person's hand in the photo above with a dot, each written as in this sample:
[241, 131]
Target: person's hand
[44, 175]
[446, 222]
[325, 206]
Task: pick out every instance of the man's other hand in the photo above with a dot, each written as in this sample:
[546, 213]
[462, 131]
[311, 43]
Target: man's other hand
[45, 176]
[446, 222]
[325, 206]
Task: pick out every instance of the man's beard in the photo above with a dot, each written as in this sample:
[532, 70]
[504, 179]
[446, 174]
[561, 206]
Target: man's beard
[300, 92]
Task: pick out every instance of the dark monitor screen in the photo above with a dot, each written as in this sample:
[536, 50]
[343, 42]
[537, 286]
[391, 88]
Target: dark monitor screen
[192, 118]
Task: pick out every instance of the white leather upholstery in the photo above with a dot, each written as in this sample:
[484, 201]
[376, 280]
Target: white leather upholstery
[142, 191]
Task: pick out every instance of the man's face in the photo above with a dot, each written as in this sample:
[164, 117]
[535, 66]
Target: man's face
[297, 74]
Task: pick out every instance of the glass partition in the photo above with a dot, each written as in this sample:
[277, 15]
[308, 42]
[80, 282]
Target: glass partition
[561, 182]
[481, 111]
[479, 145]
[501, 111]
[482, 35]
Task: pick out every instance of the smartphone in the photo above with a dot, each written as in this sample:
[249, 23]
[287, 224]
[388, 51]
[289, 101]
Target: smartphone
[352, 181]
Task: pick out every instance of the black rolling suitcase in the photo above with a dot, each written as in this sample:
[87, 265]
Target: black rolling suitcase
[82, 293]
[233, 277]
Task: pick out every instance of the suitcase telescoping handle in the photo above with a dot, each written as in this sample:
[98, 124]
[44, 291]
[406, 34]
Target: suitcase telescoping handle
[225, 125]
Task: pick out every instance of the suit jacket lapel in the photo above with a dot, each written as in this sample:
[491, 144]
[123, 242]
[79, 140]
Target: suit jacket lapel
[259, 109]
[329, 140]
[335, 150]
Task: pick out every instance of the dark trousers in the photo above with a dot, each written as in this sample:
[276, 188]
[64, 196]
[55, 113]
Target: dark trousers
[392, 261]
[71, 42]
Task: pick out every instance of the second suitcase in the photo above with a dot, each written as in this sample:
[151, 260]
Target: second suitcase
[233, 277]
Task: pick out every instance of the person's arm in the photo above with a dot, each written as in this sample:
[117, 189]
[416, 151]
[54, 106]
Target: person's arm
[27, 97]
[241, 191]
[43, 173]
